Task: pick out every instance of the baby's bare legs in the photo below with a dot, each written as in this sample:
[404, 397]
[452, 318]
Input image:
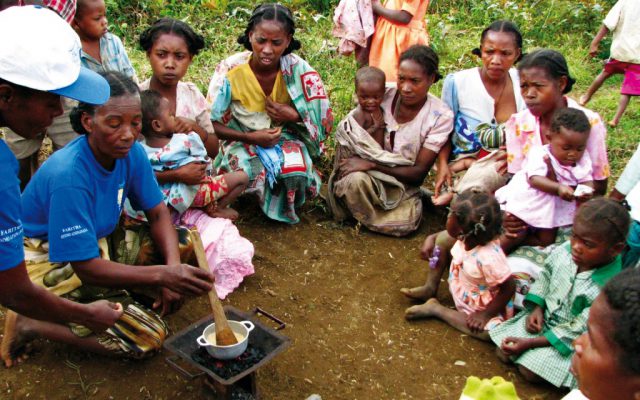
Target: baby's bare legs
[595, 85]
[457, 166]
[237, 182]
[433, 309]
[622, 106]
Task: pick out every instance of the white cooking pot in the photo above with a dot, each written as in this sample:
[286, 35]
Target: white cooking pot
[240, 329]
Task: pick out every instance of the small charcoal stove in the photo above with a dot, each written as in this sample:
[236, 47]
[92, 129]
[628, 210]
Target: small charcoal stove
[230, 379]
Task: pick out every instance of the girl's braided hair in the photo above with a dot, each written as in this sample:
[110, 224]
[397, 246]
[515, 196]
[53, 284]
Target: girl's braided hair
[194, 41]
[623, 295]
[271, 12]
[478, 214]
[119, 84]
[606, 218]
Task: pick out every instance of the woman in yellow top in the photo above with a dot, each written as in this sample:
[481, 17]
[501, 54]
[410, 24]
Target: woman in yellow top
[400, 25]
[271, 113]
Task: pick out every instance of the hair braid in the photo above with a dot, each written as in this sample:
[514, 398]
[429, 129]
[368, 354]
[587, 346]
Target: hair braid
[478, 214]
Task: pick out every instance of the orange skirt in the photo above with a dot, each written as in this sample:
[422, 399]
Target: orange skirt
[390, 40]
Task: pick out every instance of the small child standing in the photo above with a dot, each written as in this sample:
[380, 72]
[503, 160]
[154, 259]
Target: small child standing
[540, 339]
[480, 280]
[400, 24]
[622, 20]
[101, 50]
[168, 150]
[353, 25]
[543, 194]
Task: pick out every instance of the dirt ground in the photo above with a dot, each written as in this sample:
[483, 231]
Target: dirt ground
[336, 287]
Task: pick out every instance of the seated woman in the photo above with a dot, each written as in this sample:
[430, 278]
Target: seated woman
[75, 199]
[271, 113]
[480, 118]
[544, 81]
[385, 196]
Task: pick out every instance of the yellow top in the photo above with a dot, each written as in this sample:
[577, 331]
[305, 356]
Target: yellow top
[246, 89]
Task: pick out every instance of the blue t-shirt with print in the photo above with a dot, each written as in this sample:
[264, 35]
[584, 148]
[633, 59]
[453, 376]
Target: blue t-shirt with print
[11, 247]
[73, 201]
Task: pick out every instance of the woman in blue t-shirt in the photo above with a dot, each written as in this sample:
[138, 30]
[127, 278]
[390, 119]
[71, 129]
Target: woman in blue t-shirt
[36, 70]
[76, 198]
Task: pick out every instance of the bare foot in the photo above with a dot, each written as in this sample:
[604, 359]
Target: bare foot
[613, 123]
[15, 341]
[443, 199]
[425, 310]
[226, 212]
[584, 99]
[423, 293]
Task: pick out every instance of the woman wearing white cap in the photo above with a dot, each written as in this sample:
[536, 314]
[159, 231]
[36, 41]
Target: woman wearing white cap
[35, 70]
[31, 82]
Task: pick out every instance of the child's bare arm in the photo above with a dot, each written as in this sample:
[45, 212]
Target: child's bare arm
[546, 185]
[398, 16]
[535, 320]
[461, 165]
[595, 43]
[513, 346]
[615, 195]
[361, 118]
[478, 320]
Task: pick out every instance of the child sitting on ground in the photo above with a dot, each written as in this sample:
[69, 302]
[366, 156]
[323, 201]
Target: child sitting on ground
[542, 194]
[558, 304]
[168, 150]
[622, 20]
[479, 279]
[370, 91]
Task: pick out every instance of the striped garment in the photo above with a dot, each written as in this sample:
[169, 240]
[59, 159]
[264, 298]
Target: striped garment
[65, 8]
[113, 57]
[566, 297]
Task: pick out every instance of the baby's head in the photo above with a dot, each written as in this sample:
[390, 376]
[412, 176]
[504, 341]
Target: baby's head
[475, 214]
[600, 230]
[157, 118]
[90, 21]
[370, 88]
[570, 130]
[606, 361]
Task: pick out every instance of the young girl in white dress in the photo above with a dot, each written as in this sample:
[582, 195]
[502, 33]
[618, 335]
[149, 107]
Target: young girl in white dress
[543, 194]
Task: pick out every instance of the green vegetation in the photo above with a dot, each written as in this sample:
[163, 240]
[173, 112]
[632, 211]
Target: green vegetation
[454, 26]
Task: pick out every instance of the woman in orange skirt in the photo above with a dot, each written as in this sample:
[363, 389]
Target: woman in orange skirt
[400, 25]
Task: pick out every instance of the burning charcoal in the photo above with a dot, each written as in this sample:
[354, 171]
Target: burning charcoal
[227, 369]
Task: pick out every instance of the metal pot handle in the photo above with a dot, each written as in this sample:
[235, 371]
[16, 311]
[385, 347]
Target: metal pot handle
[172, 362]
[249, 325]
[282, 325]
[202, 341]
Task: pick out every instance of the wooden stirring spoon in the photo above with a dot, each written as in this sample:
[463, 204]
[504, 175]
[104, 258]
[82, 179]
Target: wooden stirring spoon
[224, 334]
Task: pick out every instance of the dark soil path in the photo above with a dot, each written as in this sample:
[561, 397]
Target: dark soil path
[337, 289]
